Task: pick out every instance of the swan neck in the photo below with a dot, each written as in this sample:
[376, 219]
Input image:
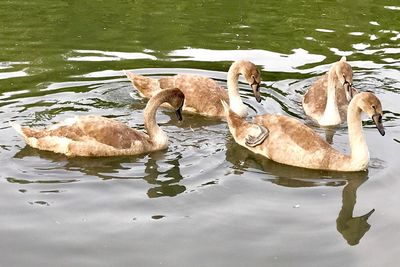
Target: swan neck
[233, 80]
[235, 101]
[331, 114]
[150, 124]
[358, 146]
[331, 90]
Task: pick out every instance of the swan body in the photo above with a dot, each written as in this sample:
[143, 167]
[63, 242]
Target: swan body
[327, 99]
[99, 136]
[203, 95]
[290, 142]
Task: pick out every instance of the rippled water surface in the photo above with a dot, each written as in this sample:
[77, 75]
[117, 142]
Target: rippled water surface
[205, 201]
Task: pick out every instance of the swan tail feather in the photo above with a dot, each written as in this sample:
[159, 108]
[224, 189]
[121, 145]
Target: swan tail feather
[146, 87]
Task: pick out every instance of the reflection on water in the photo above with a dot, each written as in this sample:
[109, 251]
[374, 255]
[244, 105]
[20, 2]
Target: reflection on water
[351, 228]
[287, 63]
[96, 55]
[12, 74]
[166, 181]
[162, 174]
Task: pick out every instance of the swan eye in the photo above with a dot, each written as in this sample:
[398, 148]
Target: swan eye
[373, 106]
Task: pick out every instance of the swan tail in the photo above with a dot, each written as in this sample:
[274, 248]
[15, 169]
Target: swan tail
[147, 87]
[17, 128]
[40, 139]
[30, 135]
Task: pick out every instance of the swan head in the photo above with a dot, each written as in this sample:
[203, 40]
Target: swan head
[344, 73]
[176, 99]
[371, 105]
[252, 76]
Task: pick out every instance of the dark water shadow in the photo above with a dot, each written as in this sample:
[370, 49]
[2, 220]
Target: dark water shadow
[190, 120]
[329, 133]
[351, 228]
[161, 173]
[165, 182]
[96, 166]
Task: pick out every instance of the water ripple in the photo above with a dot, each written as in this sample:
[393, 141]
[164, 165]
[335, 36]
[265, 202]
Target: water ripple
[97, 55]
[12, 74]
[282, 62]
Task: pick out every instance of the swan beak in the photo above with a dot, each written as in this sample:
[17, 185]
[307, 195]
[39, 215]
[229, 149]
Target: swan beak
[368, 214]
[377, 118]
[256, 90]
[178, 113]
[348, 91]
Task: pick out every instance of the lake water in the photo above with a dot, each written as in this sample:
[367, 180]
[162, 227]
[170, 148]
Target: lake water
[205, 201]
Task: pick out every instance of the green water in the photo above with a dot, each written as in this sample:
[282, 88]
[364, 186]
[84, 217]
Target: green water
[205, 201]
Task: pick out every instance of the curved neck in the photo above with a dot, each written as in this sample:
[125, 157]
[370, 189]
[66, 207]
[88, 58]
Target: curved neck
[359, 149]
[235, 102]
[331, 114]
[155, 133]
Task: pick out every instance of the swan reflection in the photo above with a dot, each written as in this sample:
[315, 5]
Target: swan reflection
[351, 228]
[161, 173]
[164, 178]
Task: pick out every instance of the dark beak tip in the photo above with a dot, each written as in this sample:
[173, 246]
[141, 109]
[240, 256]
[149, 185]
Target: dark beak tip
[381, 129]
[257, 95]
[179, 114]
[256, 91]
[377, 119]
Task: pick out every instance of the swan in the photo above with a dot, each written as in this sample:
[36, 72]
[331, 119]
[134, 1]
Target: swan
[288, 141]
[97, 136]
[203, 94]
[327, 100]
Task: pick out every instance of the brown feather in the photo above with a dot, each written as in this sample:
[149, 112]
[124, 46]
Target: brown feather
[203, 95]
[99, 136]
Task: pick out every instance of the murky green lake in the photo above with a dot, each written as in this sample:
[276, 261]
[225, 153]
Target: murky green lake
[205, 201]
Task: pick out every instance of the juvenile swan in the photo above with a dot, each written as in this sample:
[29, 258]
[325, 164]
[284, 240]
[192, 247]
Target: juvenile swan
[202, 94]
[98, 136]
[327, 100]
[288, 141]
